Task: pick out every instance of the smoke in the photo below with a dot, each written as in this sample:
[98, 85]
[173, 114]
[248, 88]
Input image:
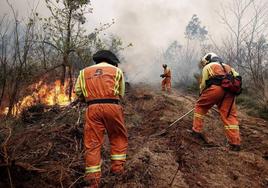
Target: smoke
[152, 26]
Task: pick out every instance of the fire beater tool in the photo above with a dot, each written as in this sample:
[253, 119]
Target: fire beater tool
[164, 131]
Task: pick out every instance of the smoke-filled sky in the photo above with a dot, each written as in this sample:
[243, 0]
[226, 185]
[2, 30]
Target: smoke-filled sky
[158, 22]
[150, 25]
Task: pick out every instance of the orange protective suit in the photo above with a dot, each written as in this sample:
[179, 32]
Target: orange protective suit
[224, 100]
[103, 83]
[166, 82]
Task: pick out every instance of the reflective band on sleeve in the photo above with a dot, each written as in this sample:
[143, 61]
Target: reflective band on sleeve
[93, 169]
[119, 157]
[199, 115]
[210, 71]
[83, 83]
[229, 127]
[117, 79]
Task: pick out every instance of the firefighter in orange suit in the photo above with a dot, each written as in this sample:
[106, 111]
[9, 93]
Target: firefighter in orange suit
[211, 94]
[102, 85]
[166, 82]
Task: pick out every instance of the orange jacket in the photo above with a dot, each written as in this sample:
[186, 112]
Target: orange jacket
[167, 72]
[100, 81]
[214, 69]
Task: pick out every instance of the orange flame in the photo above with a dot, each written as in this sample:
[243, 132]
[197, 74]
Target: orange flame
[48, 94]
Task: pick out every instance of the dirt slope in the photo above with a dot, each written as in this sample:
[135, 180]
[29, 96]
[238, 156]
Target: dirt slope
[47, 151]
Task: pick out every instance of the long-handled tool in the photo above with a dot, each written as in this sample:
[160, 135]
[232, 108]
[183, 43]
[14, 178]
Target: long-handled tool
[164, 131]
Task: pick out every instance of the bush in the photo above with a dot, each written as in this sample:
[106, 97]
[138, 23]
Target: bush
[253, 107]
[263, 112]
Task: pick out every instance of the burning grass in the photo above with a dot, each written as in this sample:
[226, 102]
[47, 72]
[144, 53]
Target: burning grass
[42, 93]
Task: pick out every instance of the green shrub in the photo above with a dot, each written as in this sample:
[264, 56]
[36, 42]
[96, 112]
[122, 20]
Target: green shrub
[263, 112]
[253, 107]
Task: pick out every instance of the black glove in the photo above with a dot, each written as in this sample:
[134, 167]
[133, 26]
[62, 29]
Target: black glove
[162, 75]
[82, 99]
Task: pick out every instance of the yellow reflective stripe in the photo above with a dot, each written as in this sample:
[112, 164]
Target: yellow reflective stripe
[234, 72]
[93, 169]
[117, 78]
[119, 157]
[78, 90]
[83, 84]
[210, 71]
[199, 115]
[122, 86]
[229, 127]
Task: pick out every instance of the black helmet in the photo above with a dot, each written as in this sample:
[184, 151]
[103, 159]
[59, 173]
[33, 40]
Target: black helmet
[106, 56]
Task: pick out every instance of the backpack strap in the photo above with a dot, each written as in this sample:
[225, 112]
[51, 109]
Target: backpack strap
[230, 108]
[223, 67]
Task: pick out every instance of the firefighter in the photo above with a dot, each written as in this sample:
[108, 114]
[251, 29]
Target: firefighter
[102, 86]
[166, 82]
[211, 93]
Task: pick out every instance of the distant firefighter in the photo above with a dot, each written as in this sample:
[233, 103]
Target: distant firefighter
[219, 85]
[166, 82]
[102, 85]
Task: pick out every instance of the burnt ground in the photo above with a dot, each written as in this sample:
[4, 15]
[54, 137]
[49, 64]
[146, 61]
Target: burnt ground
[44, 147]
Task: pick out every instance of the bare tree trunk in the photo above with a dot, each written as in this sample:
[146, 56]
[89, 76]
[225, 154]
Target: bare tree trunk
[3, 92]
[63, 74]
[70, 82]
[44, 56]
[14, 93]
[67, 47]
[4, 67]
[20, 57]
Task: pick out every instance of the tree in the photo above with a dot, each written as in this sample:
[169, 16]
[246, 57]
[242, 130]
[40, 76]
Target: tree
[64, 32]
[29, 49]
[183, 66]
[194, 30]
[246, 46]
[21, 44]
[4, 45]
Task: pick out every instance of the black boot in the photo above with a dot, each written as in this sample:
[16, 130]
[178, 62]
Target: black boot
[234, 147]
[203, 138]
[198, 135]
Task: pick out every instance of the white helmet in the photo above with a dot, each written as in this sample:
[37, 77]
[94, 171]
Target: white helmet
[207, 58]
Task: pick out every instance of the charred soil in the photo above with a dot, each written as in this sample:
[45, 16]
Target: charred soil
[44, 147]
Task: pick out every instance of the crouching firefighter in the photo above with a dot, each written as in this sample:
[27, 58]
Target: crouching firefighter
[219, 85]
[166, 82]
[102, 85]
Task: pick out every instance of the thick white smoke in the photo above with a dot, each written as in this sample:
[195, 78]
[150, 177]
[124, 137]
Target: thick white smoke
[152, 26]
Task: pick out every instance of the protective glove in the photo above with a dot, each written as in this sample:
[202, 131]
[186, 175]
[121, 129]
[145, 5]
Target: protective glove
[82, 99]
[200, 93]
[162, 75]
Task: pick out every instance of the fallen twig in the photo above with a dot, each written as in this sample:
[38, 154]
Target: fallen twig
[6, 158]
[61, 177]
[30, 167]
[76, 181]
[172, 181]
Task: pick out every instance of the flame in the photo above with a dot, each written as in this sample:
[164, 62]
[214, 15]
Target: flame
[48, 94]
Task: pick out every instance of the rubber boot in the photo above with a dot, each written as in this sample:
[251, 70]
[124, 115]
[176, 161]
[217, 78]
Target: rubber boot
[233, 147]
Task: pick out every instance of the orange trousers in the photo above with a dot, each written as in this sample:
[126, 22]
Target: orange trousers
[214, 95]
[166, 84]
[101, 117]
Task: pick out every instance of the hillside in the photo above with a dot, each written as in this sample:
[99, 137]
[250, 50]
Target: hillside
[44, 148]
